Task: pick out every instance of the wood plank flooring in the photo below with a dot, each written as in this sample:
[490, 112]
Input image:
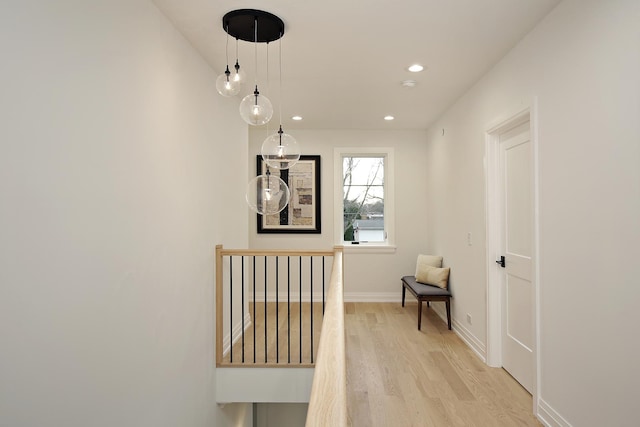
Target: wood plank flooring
[293, 335]
[399, 376]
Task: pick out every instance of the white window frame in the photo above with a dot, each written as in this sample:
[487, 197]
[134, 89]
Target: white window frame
[339, 153]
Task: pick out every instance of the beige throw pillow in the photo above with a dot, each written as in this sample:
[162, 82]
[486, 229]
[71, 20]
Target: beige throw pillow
[428, 260]
[428, 271]
[434, 276]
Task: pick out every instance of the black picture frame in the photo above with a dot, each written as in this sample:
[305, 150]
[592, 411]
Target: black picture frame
[302, 215]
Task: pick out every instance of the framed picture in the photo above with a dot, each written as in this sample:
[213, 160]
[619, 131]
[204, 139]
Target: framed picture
[302, 214]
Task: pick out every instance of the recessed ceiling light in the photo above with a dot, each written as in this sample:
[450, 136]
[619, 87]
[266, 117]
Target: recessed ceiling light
[296, 118]
[389, 118]
[416, 68]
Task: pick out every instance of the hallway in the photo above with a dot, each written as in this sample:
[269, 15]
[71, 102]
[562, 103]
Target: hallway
[399, 376]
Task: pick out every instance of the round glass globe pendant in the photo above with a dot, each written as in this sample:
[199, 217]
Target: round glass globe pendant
[226, 85]
[256, 109]
[280, 150]
[267, 194]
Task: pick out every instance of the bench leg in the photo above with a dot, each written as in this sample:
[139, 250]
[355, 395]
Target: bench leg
[448, 303]
[419, 313]
[403, 292]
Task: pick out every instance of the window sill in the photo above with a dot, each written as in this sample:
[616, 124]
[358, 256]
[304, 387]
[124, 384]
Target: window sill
[368, 248]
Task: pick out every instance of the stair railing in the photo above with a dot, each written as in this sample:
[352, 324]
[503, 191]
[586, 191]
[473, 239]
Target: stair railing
[270, 305]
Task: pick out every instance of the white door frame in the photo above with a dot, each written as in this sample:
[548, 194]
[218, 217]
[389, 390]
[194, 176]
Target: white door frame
[512, 118]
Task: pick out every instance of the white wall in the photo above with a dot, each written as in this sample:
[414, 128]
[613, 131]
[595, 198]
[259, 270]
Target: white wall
[281, 414]
[116, 182]
[367, 276]
[583, 65]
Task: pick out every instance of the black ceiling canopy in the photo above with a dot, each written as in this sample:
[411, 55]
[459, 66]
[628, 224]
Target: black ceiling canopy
[241, 25]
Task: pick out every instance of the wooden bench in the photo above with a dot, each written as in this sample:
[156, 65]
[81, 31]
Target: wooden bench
[426, 293]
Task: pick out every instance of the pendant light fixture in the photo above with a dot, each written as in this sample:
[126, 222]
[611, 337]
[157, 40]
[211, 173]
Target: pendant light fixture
[254, 26]
[226, 84]
[280, 150]
[239, 77]
[266, 194]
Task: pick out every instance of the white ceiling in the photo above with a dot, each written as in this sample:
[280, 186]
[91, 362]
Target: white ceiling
[344, 60]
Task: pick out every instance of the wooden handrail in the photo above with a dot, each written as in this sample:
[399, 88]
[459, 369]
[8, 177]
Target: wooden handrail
[271, 252]
[328, 402]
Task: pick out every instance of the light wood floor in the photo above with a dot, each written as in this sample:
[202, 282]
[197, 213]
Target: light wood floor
[293, 346]
[399, 376]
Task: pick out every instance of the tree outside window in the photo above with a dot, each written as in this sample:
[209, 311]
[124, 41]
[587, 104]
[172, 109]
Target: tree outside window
[363, 199]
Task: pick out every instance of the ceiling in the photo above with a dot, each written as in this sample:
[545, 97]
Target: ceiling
[343, 61]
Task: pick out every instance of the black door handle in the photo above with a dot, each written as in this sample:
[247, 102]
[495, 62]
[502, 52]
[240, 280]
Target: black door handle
[501, 261]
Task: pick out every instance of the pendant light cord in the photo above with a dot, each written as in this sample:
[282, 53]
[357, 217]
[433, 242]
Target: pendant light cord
[280, 72]
[226, 54]
[226, 47]
[268, 84]
[255, 50]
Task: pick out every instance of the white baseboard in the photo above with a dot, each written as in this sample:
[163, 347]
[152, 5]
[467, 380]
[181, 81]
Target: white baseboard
[372, 296]
[237, 334]
[549, 417]
[478, 347]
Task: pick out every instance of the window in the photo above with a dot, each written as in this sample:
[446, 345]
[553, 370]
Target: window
[363, 199]
[364, 196]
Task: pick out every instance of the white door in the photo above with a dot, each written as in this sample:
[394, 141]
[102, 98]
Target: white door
[517, 232]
